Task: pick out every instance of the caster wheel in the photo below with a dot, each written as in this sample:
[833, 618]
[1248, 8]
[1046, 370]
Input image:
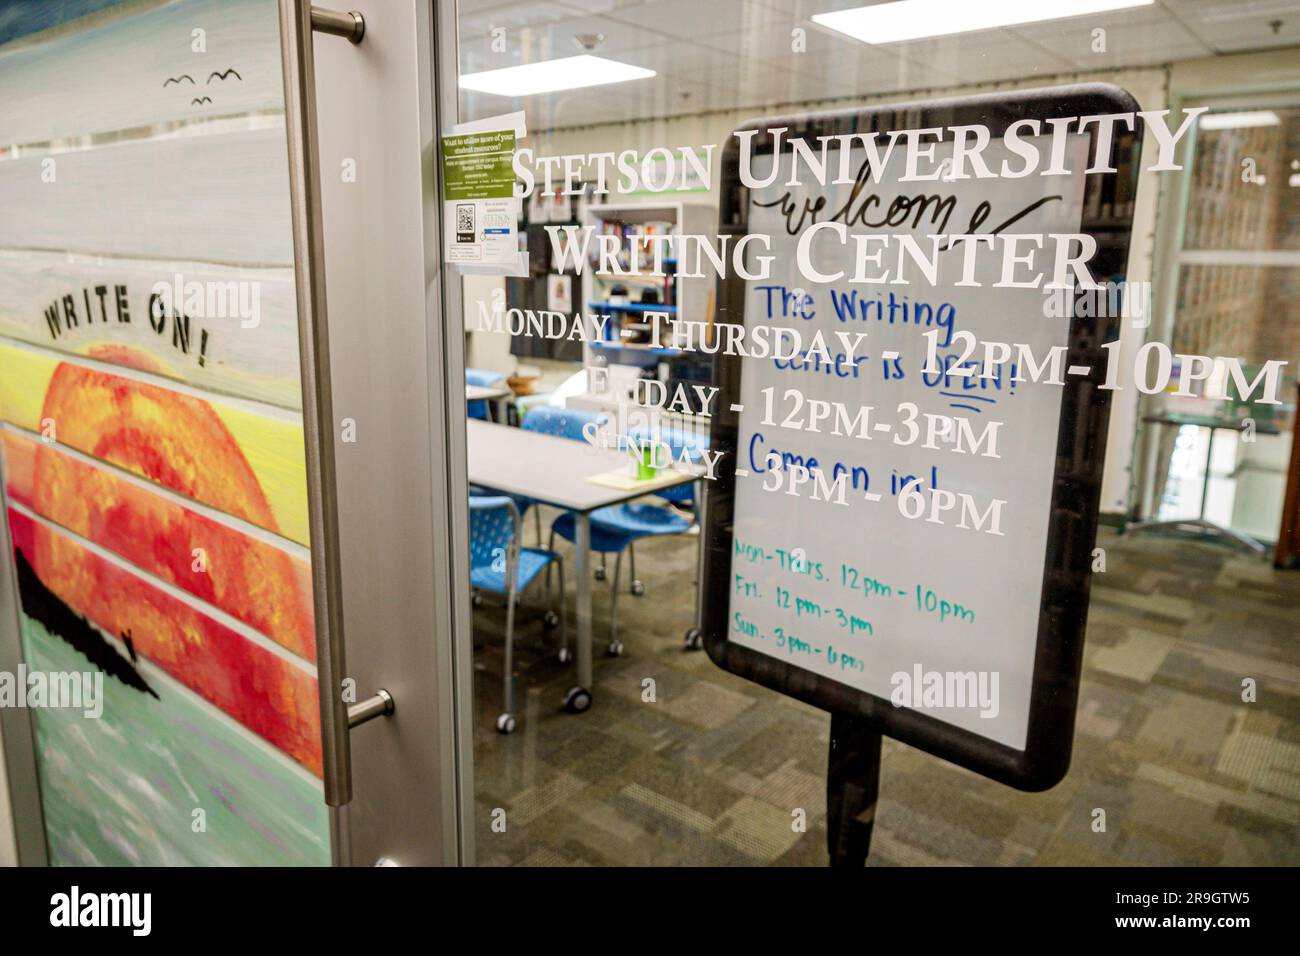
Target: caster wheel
[550, 620]
[600, 574]
[694, 639]
[476, 599]
[506, 724]
[638, 589]
[615, 649]
[577, 700]
[565, 655]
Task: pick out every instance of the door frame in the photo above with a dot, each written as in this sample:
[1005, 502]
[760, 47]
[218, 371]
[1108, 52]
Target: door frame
[397, 370]
[17, 729]
[445, 79]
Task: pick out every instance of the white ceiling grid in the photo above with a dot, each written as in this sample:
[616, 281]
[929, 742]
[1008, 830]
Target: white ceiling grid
[729, 54]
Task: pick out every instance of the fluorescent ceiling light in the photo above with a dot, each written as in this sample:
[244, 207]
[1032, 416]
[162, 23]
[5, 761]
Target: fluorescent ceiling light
[548, 76]
[1239, 120]
[914, 19]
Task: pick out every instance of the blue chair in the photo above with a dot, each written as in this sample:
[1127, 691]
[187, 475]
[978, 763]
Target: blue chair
[498, 564]
[617, 528]
[562, 423]
[614, 530]
[692, 442]
[485, 379]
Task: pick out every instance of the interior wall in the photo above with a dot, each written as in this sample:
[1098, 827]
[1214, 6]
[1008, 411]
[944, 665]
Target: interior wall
[486, 350]
[1242, 73]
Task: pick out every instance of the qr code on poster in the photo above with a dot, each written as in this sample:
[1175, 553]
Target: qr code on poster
[465, 222]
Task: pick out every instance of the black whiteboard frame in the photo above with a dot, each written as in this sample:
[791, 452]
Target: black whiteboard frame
[1080, 451]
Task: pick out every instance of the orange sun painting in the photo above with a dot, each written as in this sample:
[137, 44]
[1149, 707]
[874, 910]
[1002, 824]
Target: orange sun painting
[180, 442]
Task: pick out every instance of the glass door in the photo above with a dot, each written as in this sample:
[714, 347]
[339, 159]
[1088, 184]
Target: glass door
[155, 580]
[591, 285]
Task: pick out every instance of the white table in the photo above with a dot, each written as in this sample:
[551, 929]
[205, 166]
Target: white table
[496, 394]
[554, 471]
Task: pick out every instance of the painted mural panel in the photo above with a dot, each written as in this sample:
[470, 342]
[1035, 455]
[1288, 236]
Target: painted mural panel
[270, 693]
[221, 328]
[206, 201]
[205, 292]
[152, 445]
[263, 583]
[171, 756]
[55, 89]
[234, 457]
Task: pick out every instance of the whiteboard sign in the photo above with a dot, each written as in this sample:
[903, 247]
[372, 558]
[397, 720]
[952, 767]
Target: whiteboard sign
[957, 630]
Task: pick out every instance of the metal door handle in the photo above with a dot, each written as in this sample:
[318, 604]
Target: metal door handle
[381, 705]
[297, 21]
[351, 24]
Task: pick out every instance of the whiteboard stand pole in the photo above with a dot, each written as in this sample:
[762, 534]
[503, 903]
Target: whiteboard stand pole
[852, 782]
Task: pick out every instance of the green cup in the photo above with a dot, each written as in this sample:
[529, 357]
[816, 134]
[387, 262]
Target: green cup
[645, 468]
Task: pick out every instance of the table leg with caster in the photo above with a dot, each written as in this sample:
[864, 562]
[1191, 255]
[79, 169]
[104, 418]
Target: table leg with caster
[694, 639]
[578, 698]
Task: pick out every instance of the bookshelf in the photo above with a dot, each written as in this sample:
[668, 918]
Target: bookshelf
[628, 298]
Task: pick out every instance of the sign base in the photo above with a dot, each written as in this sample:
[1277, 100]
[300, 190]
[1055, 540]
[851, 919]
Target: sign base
[852, 783]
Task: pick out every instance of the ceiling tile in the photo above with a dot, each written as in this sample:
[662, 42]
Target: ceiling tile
[997, 55]
[475, 19]
[690, 19]
[1136, 37]
[1235, 26]
[1218, 10]
[539, 42]
[681, 59]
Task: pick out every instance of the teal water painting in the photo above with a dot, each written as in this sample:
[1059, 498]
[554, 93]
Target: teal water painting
[166, 782]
